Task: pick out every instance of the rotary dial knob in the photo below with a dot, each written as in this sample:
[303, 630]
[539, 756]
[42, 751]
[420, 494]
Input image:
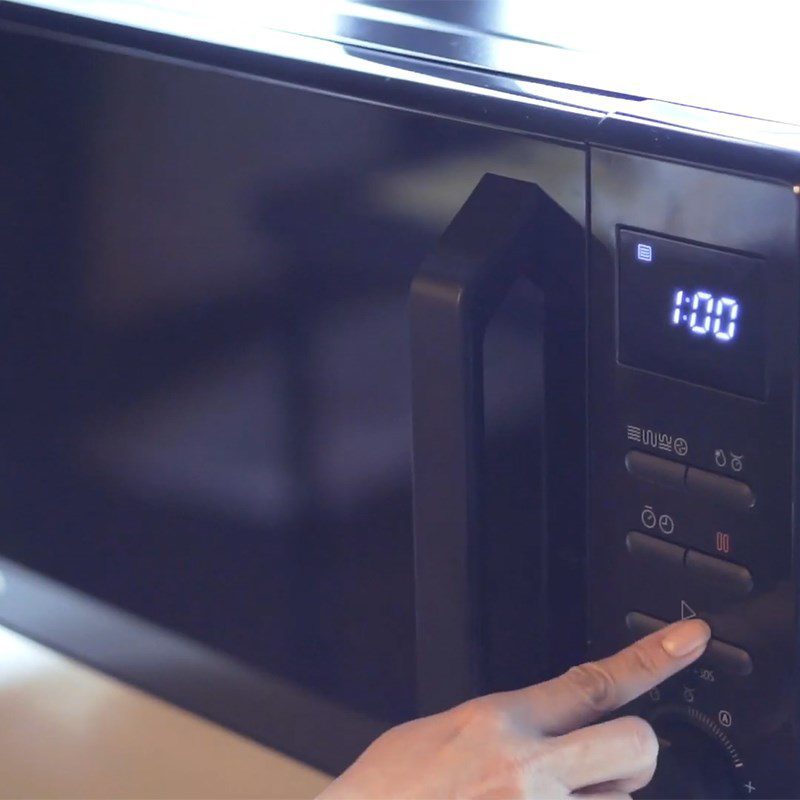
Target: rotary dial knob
[696, 758]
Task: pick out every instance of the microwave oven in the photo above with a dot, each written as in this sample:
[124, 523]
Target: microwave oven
[363, 358]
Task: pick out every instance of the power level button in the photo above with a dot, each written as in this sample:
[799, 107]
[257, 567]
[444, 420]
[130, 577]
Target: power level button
[655, 469]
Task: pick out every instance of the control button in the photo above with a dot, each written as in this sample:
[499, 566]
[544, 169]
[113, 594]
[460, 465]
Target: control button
[728, 658]
[720, 655]
[729, 491]
[715, 573]
[643, 625]
[655, 469]
[657, 552]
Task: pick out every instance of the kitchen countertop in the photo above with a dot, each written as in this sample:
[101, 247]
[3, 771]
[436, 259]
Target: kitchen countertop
[70, 731]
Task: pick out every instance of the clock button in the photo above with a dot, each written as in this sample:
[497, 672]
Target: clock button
[655, 552]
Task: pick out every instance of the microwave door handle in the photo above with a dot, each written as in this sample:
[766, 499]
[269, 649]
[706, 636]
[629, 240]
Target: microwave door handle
[502, 227]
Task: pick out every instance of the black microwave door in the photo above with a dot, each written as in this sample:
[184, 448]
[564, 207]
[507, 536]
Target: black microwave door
[206, 394]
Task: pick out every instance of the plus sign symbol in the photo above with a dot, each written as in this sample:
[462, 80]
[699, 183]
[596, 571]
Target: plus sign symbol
[750, 788]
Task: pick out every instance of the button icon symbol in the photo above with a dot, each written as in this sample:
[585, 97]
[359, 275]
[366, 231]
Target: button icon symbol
[725, 719]
[644, 252]
[655, 694]
[634, 433]
[648, 517]
[666, 524]
[681, 446]
[737, 462]
[749, 786]
[720, 459]
[688, 694]
[687, 612]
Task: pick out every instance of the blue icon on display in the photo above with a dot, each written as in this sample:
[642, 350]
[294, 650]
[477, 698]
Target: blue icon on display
[644, 252]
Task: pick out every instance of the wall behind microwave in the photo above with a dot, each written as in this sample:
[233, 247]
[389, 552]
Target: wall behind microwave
[204, 346]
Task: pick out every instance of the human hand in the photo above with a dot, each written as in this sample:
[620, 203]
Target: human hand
[538, 742]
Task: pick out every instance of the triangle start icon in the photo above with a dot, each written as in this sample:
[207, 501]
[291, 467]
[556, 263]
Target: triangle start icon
[687, 612]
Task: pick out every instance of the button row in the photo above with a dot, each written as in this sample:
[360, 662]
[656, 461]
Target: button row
[730, 579]
[721, 655]
[655, 469]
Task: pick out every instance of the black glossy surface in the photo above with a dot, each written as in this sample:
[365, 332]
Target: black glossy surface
[566, 47]
[205, 344]
[655, 469]
[452, 298]
[728, 658]
[729, 578]
[199, 419]
[507, 232]
[693, 313]
[735, 441]
[720, 489]
[207, 406]
[664, 559]
[669, 130]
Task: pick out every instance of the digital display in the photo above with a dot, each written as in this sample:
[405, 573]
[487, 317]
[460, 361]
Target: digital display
[692, 312]
[705, 314]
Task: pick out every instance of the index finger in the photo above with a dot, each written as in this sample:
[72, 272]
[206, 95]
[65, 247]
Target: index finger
[585, 693]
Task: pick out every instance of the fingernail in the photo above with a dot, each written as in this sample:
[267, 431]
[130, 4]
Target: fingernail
[685, 637]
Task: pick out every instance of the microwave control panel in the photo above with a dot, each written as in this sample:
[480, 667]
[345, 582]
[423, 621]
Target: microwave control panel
[693, 320]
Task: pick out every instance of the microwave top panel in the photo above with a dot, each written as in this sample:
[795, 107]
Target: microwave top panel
[625, 74]
[706, 56]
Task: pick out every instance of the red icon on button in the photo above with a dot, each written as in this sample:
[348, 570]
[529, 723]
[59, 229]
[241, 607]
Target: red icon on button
[723, 542]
